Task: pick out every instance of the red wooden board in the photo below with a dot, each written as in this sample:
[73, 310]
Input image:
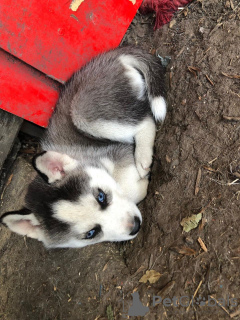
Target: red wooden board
[56, 40]
[26, 91]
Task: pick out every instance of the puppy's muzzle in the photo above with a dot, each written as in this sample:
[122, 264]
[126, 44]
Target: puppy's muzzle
[136, 226]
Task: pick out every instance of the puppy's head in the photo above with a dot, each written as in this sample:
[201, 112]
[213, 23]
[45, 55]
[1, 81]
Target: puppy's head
[76, 206]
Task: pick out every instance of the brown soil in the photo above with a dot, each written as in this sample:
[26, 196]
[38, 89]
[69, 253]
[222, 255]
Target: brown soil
[92, 283]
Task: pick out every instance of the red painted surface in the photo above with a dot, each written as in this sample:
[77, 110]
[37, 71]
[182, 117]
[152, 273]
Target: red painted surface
[55, 40]
[26, 92]
[50, 37]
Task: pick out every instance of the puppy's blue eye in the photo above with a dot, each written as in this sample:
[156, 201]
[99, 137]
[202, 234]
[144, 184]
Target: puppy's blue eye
[93, 232]
[90, 234]
[101, 197]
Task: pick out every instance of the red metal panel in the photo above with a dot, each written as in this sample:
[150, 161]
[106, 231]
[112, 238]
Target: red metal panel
[56, 40]
[26, 92]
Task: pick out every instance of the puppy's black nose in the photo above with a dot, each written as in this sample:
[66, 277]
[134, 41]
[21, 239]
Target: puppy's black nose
[136, 227]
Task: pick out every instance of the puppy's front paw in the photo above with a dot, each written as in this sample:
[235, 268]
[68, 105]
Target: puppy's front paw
[143, 163]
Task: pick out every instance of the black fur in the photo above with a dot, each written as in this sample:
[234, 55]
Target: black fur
[23, 212]
[44, 176]
[41, 197]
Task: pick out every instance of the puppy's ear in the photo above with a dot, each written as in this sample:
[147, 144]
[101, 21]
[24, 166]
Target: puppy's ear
[53, 166]
[23, 222]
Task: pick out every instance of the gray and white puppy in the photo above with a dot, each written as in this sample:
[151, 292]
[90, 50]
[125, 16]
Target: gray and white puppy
[97, 152]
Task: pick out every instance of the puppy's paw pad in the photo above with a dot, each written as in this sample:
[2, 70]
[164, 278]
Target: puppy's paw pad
[143, 161]
[143, 170]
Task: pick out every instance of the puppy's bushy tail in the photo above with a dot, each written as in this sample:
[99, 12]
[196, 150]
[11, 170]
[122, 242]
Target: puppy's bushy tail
[153, 72]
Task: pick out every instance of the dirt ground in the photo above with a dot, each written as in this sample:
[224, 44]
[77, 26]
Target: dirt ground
[196, 169]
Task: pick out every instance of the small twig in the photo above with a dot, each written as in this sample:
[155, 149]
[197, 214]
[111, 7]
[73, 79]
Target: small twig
[214, 198]
[196, 291]
[7, 184]
[235, 93]
[184, 47]
[181, 51]
[25, 241]
[219, 304]
[233, 182]
[193, 70]
[210, 169]
[231, 4]
[197, 185]
[204, 54]
[236, 174]
[170, 79]
[209, 79]
[202, 244]
[231, 76]
[231, 118]
[224, 183]
[235, 313]
[236, 7]
[204, 208]
[210, 162]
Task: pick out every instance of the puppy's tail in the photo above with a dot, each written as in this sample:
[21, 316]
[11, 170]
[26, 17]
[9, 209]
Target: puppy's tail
[153, 72]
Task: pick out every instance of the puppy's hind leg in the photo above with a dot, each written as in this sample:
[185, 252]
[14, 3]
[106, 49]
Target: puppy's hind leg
[144, 139]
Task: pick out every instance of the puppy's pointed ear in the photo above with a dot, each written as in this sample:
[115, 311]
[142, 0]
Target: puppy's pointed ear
[53, 166]
[23, 222]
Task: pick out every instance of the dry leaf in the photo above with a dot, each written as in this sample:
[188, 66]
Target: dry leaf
[191, 222]
[168, 159]
[185, 12]
[172, 23]
[184, 250]
[151, 275]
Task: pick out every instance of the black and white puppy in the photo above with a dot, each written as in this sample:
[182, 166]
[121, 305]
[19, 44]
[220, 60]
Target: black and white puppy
[97, 152]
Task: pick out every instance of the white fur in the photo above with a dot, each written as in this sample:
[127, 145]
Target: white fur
[108, 164]
[136, 81]
[159, 108]
[144, 139]
[134, 188]
[109, 129]
[129, 61]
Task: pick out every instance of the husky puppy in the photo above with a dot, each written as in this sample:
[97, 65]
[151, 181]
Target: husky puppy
[97, 152]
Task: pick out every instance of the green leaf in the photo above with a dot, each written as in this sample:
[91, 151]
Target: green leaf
[191, 222]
